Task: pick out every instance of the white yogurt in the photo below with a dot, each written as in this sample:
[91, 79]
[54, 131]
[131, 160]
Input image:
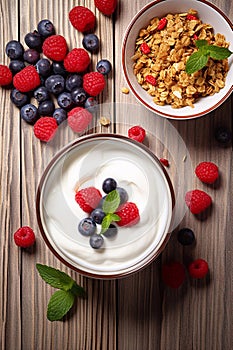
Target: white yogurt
[89, 163]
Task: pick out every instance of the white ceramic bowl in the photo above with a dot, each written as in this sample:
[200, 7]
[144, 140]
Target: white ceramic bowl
[88, 161]
[208, 13]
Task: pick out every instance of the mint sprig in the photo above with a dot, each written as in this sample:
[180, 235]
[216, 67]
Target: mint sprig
[199, 59]
[61, 301]
[110, 205]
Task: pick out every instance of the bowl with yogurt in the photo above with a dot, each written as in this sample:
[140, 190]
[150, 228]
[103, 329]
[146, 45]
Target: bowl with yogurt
[86, 162]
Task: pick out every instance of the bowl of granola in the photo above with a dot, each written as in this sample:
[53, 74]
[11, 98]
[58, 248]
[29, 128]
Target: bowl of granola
[178, 61]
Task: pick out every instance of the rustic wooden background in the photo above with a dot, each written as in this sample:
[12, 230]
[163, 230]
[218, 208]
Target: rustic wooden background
[136, 312]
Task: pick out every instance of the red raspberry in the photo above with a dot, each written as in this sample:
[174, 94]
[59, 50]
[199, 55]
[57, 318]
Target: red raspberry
[173, 274]
[88, 198]
[107, 7]
[145, 48]
[24, 237]
[137, 133]
[197, 201]
[55, 47]
[27, 79]
[93, 83]
[151, 80]
[191, 17]
[164, 161]
[207, 172]
[129, 214]
[45, 128]
[79, 118]
[198, 268]
[5, 75]
[162, 23]
[77, 60]
[82, 18]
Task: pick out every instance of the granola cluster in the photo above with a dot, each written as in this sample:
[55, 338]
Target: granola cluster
[161, 52]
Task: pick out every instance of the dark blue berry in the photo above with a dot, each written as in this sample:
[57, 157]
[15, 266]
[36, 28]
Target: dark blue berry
[60, 115]
[43, 67]
[96, 241]
[16, 66]
[111, 231]
[91, 104]
[64, 100]
[31, 56]
[45, 28]
[73, 81]
[185, 236]
[104, 67]
[55, 84]
[91, 42]
[14, 50]
[97, 215]
[41, 94]
[58, 68]
[87, 227]
[79, 95]
[123, 195]
[223, 135]
[100, 204]
[109, 185]
[19, 98]
[29, 113]
[46, 108]
[33, 40]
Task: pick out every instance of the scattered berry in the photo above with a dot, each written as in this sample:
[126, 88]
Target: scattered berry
[46, 108]
[29, 113]
[43, 67]
[164, 161]
[173, 274]
[41, 94]
[55, 84]
[109, 185]
[111, 231]
[104, 67]
[16, 66]
[79, 118]
[33, 40]
[73, 81]
[97, 215]
[5, 75]
[137, 133]
[45, 28]
[77, 60]
[197, 201]
[14, 50]
[91, 104]
[96, 241]
[82, 19]
[107, 7]
[31, 56]
[88, 198]
[27, 79]
[198, 268]
[24, 237]
[45, 128]
[185, 236]
[144, 47]
[60, 115]
[91, 42]
[64, 100]
[151, 80]
[55, 47]
[93, 83]
[223, 135]
[162, 23]
[129, 214]
[78, 95]
[58, 68]
[87, 227]
[19, 98]
[207, 172]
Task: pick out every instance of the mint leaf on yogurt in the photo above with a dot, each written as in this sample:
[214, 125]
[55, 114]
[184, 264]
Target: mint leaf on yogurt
[111, 202]
[107, 220]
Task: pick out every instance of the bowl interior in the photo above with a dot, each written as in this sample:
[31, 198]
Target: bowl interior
[208, 13]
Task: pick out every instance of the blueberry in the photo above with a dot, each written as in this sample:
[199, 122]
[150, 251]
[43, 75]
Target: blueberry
[123, 195]
[55, 84]
[104, 67]
[78, 95]
[33, 40]
[58, 68]
[97, 215]
[46, 108]
[14, 50]
[43, 67]
[41, 94]
[185, 236]
[45, 28]
[223, 135]
[91, 42]
[29, 113]
[100, 204]
[91, 104]
[19, 98]
[109, 185]
[60, 115]
[16, 66]
[96, 241]
[31, 56]
[73, 81]
[64, 100]
[111, 231]
[87, 227]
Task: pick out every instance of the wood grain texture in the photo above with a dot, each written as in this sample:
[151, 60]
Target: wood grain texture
[136, 312]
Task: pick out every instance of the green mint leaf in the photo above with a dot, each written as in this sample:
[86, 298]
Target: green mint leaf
[107, 220]
[196, 61]
[218, 53]
[111, 202]
[55, 278]
[201, 43]
[59, 304]
[78, 290]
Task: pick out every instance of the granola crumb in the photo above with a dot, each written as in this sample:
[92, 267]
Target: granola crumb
[105, 121]
[125, 90]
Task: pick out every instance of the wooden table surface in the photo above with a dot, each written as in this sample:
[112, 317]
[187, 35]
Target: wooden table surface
[136, 312]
